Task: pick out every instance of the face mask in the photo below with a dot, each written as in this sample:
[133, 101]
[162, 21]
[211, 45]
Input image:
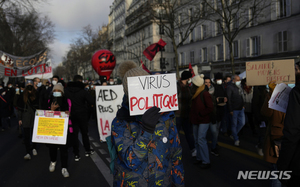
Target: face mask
[10, 86]
[54, 82]
[57, 94]
[238, 83]
[86, 89]
[0, 88]
[190, 81]
[47, 87]
[17, 89]
[22, 90]
[92, 86]
[219, 81]
[39, 84]
[111, 83]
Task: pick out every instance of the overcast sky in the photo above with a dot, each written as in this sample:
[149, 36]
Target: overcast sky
[69, 17]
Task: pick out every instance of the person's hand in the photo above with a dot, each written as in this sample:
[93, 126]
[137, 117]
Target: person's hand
[20, 122]
[231, 113]
[272, 85]
[225, 100]
[54, 106]
[150, 119]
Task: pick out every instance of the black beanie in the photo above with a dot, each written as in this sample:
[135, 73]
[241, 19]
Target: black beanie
[186, 75]
[218, 76]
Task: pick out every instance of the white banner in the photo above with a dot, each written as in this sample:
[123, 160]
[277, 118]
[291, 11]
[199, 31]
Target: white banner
[47, 75]
[50, 127]
[152, 90]
[108, 101]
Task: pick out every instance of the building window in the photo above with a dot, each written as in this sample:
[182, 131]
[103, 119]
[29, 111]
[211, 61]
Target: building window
[253, 46]
[204, 52]
[235, 49]
[203, 31]
[235, 21]
[192, 57]
[182, 59]
[219, 4]
[203, 9]
[190, 15]
[282, 41]
[213, 53]
[218, 27]
[284, 8]
[220, 52]
[193, 36]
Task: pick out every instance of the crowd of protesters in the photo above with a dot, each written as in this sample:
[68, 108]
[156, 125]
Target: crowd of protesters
[222, 105]
[23, 98]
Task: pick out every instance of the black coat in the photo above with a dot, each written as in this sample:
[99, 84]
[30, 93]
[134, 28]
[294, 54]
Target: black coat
[81, 99]
[219, 92]
[6, 102]
[235, 99]
[289, 156]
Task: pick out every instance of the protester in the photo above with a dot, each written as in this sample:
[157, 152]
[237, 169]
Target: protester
[6, 106]
[26, 113]
[274, 132]
[80, 116]
[58, 102]
[111, 81]
[289, 155]
[259, 95]
[55, 80]
[202, 107]
[236, 108]
[148, 145]
[104, 83]
[182, 115]
[248, 97]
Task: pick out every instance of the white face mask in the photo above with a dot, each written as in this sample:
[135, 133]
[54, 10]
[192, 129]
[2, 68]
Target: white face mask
[39, 84]
[190, 81]
[17, 89]
[238, 83]
[111, 83]
[54, 83]
[57, 94]
[10, 86]
[219, 81]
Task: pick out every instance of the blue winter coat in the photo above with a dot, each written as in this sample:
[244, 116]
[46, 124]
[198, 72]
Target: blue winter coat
[146, 159]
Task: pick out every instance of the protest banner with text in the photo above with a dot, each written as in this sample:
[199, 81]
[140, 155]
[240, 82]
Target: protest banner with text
[13, 66]
[108, 101]
[48, 74]
[50, 127]
[263, 72]
[153, 90]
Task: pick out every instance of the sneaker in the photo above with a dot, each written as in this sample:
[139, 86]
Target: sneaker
[231, 137]
[65, 172]
[194, 153]
[34, 152]
[88, 153]
[27, 157]
[214, 152]
[237, 143]
[259, 151]
[77, 158]
[204, 166]
[52, 166]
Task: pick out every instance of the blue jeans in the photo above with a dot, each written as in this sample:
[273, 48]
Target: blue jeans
[238, 121]
[274, 182]
[200, 132]
[214, 129]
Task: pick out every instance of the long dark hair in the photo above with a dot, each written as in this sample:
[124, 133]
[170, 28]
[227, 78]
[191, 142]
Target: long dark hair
[29, 92]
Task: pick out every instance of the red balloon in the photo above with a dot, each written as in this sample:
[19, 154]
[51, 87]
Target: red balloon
[104, 62]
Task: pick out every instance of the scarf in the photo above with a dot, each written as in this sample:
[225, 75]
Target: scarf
[198, 91]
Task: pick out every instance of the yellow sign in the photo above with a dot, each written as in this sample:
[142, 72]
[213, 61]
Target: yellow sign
[50, 127]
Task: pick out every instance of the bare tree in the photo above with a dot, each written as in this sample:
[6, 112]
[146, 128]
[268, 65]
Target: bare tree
[60, 71]
[176, 18]
[232, 16]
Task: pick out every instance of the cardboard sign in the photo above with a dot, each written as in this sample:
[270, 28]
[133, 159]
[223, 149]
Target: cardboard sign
[152, 90]
[280, 98]
[108, 102]
[50, 127]
[263, 72]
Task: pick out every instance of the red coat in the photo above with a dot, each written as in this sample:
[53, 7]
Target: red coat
[200, 112]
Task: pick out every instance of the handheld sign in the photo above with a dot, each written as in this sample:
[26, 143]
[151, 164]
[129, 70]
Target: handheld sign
[50, 127]
[263, 72]
[108, 101]
[152, 90]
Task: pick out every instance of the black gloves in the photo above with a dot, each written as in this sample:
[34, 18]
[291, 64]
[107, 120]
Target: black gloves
[150, 119]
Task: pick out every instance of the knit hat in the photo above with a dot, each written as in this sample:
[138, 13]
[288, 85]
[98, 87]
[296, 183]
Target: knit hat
[59, 86]
[218, 76]
[129, 69]
[198, 80]
[186, 75]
